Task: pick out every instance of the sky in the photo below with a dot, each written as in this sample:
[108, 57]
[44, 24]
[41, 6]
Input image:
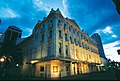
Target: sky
[93, 16]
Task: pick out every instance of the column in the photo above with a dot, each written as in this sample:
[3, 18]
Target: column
[55, 37]
[46, 39]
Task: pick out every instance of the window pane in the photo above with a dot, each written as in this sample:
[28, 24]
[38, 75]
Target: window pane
[42, 68]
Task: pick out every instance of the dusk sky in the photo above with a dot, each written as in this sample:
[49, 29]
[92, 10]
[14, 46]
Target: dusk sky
[91, 15]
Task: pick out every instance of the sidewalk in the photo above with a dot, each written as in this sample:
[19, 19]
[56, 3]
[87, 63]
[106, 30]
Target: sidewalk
[108, 75]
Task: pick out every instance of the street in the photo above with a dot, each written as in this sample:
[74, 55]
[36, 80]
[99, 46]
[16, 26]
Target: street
[106, 75]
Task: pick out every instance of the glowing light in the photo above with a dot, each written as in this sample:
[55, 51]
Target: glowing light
[34, 61]
[2, 59]
[17, 65]
[55, 69]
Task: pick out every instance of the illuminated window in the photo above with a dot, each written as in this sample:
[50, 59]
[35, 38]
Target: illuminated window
[55, 69]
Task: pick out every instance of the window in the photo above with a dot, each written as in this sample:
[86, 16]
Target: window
[75, 41]
[60, 34]
[82, 45]
[78, 34]
[58, 21]
[19, 35]
[42, 40]
[71, 39]
[67, 68]
[55, 69]
[60, 48]
[64, 26]
[66, 50]
[49, 49]
[73, 31]
[79, 43]
[42, 68]
[65, 37]
[43, 26]
[70, 29]
[50, 33]
[50, 21]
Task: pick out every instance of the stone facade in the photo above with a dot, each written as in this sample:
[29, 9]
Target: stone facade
[58, 47]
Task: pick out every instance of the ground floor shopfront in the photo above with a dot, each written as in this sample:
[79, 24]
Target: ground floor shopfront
[58, 68]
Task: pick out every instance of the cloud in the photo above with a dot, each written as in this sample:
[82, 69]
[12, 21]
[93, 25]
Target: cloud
[114, 36]
[110, 50]
[8, 13]
[64, 2]
[107, 30]
[111, 45]
[98, 31]
[29, 32]
[40, 6]
[65, 11]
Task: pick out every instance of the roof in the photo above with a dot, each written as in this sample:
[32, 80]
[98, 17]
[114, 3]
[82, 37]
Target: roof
[73, 24]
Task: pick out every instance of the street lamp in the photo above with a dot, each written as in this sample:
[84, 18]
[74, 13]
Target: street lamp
[17, 65]
[2, 59]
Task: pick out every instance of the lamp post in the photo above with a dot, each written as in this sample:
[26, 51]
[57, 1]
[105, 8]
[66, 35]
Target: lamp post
[7, 64]
[2, 62]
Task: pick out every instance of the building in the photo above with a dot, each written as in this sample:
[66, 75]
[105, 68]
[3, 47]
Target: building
[9, 39]
[10, 52]
[0, 40]
[57, 47]
[11, 35]
[117, 4]
[96, 37]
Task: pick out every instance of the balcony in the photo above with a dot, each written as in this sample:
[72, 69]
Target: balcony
[60, 55]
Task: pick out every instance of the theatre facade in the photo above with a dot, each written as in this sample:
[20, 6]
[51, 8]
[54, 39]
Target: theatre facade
[58, 47]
